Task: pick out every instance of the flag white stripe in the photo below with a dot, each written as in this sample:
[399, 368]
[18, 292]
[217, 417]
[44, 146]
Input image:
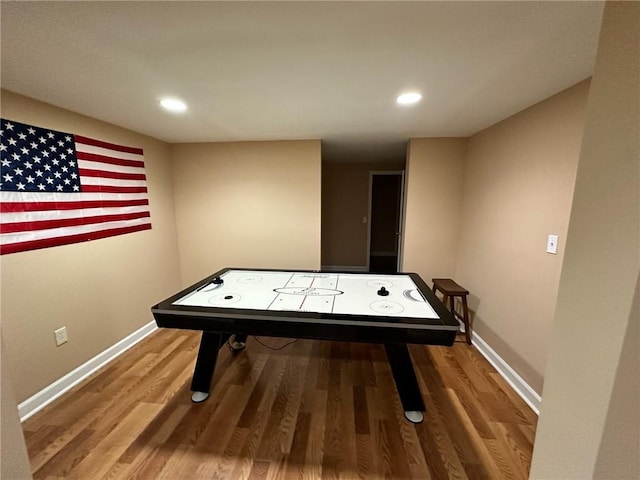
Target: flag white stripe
[114, 182]
[16, 217]
[9, 238]
[83, 147]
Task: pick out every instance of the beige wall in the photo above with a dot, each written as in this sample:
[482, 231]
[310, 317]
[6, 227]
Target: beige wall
[345, 200]
[100, 290]
[248, 204]
[14, 463]
[595, 304]
[618, 453]
[435, 168]
[518, 186]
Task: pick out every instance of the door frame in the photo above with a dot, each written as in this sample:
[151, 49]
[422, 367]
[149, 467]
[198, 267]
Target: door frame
[400, 232]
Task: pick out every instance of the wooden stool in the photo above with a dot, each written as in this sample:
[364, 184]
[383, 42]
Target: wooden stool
[451, 290]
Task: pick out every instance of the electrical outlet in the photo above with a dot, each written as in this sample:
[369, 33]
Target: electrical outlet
[61, 336]
[552, 244]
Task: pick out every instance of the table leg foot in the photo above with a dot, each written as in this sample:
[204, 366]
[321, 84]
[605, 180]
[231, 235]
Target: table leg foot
[197, 397]
[414, 416]
[239, 342]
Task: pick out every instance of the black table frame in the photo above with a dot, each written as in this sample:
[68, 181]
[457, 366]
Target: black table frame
[218, 324]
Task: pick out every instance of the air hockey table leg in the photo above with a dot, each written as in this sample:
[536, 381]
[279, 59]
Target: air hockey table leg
[406, 381]
[210, 343]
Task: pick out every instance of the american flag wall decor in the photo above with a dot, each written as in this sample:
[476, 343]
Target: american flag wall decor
[58, 188]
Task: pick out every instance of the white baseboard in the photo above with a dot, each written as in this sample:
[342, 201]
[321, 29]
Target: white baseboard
[44, 397]
[518, 384]
[349, 268]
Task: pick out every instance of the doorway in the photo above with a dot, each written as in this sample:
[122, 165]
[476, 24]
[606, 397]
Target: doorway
[386, 196]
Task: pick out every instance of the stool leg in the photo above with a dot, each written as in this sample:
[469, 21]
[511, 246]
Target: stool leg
[453, 307]
[465, 319]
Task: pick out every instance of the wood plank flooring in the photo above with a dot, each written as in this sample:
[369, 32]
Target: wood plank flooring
[313, 410]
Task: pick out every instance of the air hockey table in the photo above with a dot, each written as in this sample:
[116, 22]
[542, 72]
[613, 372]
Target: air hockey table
[391, 309]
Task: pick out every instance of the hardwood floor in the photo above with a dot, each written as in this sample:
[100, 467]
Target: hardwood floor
[312, 410]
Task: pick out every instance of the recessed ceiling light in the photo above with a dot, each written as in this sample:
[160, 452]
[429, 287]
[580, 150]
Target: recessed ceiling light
[173, 105]
[408, 98]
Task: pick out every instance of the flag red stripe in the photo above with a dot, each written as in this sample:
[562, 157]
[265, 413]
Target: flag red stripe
[67, 222]
[82, 237]
[94, 157]
[86, 172]
[110, 146]
[112, 189]
[8, 207]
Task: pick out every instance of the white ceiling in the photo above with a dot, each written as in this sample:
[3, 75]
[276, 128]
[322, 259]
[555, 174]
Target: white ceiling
[298, 70]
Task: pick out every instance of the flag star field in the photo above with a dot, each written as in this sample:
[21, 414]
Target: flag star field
[41, 160]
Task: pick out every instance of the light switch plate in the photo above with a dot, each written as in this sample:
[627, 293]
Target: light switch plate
[61, 336]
